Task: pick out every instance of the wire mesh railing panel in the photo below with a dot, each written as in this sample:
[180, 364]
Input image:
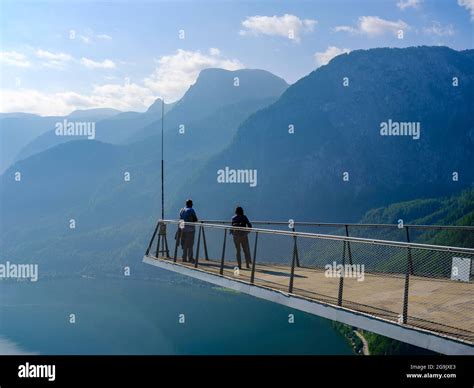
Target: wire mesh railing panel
[373, 280]
[214, 239]
[230, 262]
[316, 268]
[458, 237]
[273, 261]
[441, 292]
[320, 229]
[270, 225]
[387, 232]
[317, 253]
[426, 236]
[378, 259]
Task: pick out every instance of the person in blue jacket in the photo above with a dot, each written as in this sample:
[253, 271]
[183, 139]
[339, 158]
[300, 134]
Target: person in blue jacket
[241, 239]
[187, 214]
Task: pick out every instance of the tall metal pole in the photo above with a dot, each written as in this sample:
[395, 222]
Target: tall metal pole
[162, 161]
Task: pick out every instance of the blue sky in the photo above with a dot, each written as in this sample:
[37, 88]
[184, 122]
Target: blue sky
[59, 56]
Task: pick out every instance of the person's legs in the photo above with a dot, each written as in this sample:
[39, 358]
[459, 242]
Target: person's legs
[191, 246]
[184, 245]
[246, 248]
[237, 250]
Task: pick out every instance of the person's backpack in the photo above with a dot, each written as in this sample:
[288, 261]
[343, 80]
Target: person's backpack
[188, 216]
[241, 224]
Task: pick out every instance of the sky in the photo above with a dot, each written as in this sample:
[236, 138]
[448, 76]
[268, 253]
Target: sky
[59, 56]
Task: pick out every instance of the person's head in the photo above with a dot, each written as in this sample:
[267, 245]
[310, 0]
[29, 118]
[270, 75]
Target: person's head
[189, 203]
[239, 211]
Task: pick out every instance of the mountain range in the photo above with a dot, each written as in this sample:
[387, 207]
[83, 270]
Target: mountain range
[316, 147]
[336, 164]
[22, 135]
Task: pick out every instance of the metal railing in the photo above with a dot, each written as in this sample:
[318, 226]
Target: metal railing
[463, 235]
[421, 285]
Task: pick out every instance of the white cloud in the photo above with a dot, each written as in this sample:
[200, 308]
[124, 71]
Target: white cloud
[438, 29]
[288, 26]
[348, 29]
[323, 57]
[469, 5]
[32, 101]
[175, 73]
[89, 37]
[85, 39]
[91, 64]
[404, 4]
[171, 78]
[372, 26]
[214, 51]
[14, 58]
[104, 37]
[122, 97]
[56, 60]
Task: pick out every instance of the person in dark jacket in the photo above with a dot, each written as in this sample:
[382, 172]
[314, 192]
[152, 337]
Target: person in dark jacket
[241, 237]
[187, 214]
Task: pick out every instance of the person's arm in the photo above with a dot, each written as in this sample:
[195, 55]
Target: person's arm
[248, 222]
[195, 219]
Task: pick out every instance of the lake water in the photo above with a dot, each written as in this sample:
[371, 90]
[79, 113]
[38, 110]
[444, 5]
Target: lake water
[131, 316]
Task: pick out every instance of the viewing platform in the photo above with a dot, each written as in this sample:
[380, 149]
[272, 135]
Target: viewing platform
[416, 293]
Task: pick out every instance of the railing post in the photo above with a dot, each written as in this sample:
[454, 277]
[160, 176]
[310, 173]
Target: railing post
[152, 239]
[409, 252]
[406, 291]
[196, 259]
[221, 271]
[164, 240]
[206, 256]
[166, 247]
[349, 246]
[293, 263]
[252, 277]
[162, 244]
[341, 278]
[157, 252]
[297, 256]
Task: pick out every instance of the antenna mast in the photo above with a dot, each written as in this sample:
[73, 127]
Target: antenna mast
[162, 162]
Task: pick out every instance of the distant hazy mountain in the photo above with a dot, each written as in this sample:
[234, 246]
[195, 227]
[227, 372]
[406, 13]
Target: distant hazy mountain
[214, 90]
[338, 133]
[238, 92]
[20, 130]
[156, 108]
[111, 126]
[123, 126]
[93, 114]
[15, 114]
[17, 130]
